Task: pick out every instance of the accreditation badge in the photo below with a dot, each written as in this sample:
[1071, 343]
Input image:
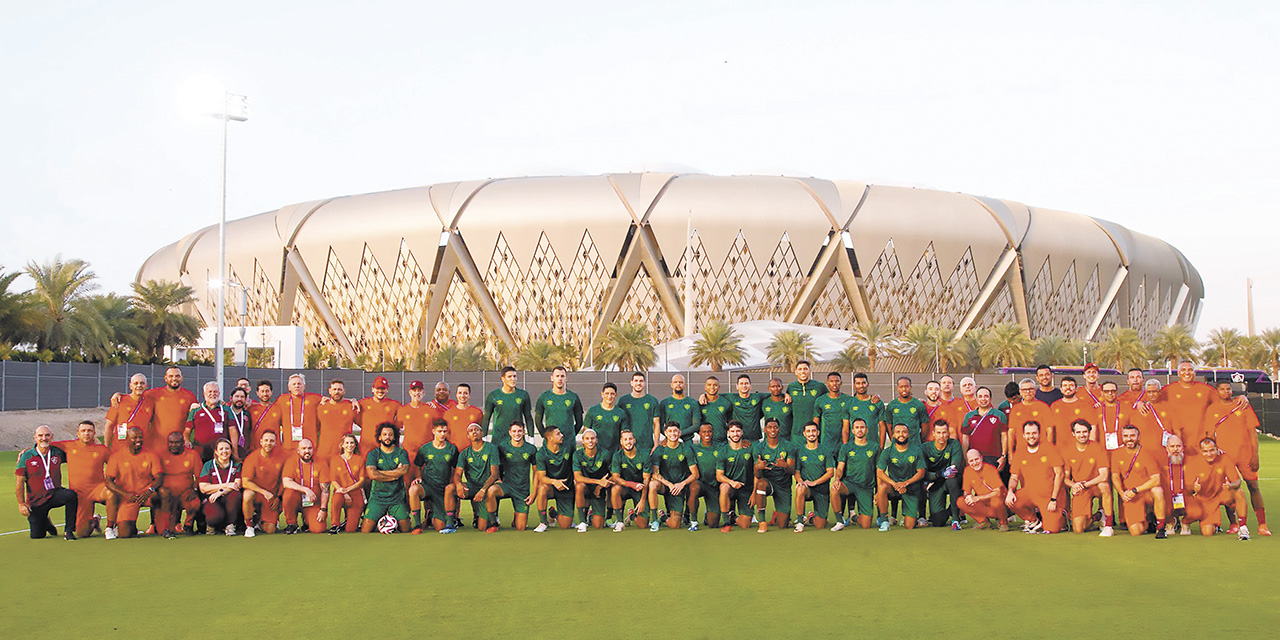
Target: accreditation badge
[1164, 439]
[121, 430]
[217, 427]
[1179, 502]
[48, 483]
[297, 434]
[1113, 441]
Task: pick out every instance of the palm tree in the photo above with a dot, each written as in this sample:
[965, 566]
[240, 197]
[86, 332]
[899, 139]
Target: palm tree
[1171, 344]
[156, 305]
[875, 340]
[789, 347]
[61, 311]
[123, 335]
[15, 312]
[1269, 345]
[933, 345]
[538, 355]
[626, 346]
[851, 358]
[465, 356]
[716, 345]
[1122, 348]
[1006, 345]
[1228, 345]
[1057, 350]
[968, 350]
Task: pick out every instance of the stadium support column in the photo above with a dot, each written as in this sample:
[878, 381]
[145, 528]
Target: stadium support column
[308, 284]
[453, 257]
[1108, 299]
[997, 277]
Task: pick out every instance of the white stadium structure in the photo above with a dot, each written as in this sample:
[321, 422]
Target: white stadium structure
[519, 259]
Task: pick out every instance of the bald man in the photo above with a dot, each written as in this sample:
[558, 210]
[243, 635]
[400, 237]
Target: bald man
[39, 487]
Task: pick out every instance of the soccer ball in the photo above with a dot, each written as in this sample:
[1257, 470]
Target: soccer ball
[387, 524]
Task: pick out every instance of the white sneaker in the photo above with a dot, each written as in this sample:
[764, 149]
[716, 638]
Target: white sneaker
[109, 533]
[541, 528]
[250, 532]
[1186, 530]
[838, 526]
[1106, 532]
[800, 527]
[619, 526]
[582, 527]
[231, 530]
[693, 526]
[1244, 532]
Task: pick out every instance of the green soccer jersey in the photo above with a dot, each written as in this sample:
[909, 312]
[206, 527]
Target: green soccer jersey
[437, 464]
[912, 413]
[502, 408]
[557, 465]
[717, 414]
[749, 411]
[673, 463]
[775, 455]
[641, 413]
[802, 399]
[477, 465]
[387, 491]
[779, 409]
[592, 466]
[900, 465]
[870, 411]
[831, 414]
[737, 464]
[609, 424]
[513, 466]
[812, 463]
[631, 468]
[558, 410]
[860, 462]
[705, 457]
[684, 411]
[936, 461]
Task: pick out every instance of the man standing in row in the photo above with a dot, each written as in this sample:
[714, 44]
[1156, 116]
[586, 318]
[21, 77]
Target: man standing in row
[558, 407]
[680, 409]
[506, 404]
[642, 414]
[375, 410]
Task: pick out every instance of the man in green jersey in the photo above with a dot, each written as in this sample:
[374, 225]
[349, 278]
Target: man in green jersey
[558, 407]
[515, 458]
[900, 471]
[630, 471]
[680, 409]
[385, 466]
[704, 455]
[608, 420]
[777, 405]
[591, 482]
[642, 414]
[675, 476]
[804, 392]
[831, 412]
[774, 466]
[815, 464]
[434, 486]
[506, 404]
[748, 407]
[905, 409]
[735, 473]
[475, 472]
[554, 478]
[866, 405]
[943, 463]
[855, 476]
[716, 410]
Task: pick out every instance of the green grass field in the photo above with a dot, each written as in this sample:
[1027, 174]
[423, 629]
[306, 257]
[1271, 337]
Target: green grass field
[931, 582]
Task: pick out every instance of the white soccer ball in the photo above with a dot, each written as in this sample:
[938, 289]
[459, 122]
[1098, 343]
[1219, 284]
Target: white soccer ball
[387, 524]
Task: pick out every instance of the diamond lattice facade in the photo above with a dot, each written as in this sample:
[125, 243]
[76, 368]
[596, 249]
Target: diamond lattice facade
[518, 259]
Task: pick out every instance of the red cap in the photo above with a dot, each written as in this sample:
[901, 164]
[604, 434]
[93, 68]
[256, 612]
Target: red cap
[416, 384]
[1091, 366]
[380, 383]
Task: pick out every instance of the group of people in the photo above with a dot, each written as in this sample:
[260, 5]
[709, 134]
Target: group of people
[1065, 455]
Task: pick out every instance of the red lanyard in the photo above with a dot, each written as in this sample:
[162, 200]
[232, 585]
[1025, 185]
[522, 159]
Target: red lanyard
[1116, 426]
[1181, 480]
[1132, 462]
[348, 466]
[137, 404]
[292, 424]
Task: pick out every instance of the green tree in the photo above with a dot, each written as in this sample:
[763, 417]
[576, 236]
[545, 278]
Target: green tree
[123, 335]
[790, 346]
[15, 312]
[1269, 345]
[1226, 344]
[64, 318]
[874, 340]
[1058, 350]
[538, 355]
[157, 311]
[464, 356]
[933, 346]
[849, 359]
[626, 346]
[1006, 345]
[1121, 348]
[1171, 344]
[716, 345]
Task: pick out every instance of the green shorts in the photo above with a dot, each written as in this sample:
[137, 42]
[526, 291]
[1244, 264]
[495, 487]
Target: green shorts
[711, 496]
[516, 496]
[821, 498]
[675, 504]
[740, 500]
[910, 500]
[781, 492]
[564, 499]
[375, 509]
[631, 494]
[597, 498]
[433, 501]
[863, 498]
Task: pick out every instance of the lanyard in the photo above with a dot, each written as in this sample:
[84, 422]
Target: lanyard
[44, 457]
[1116, 425]
[292, 424]
[137, 404]
[348, 466]
[221, 414]
[218, 476]
[1181, 480]
[1132, 462]
[966, 405]
[311, 477]
[1228, 415]
[1140, 397]
[1091, 396]
[239, 418]
[266, 408]
[932, 410]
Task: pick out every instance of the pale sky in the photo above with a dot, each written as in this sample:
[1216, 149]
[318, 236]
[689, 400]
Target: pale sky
[1161, 116]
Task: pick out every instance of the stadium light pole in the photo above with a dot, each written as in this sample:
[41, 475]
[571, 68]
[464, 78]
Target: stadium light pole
[235, 108]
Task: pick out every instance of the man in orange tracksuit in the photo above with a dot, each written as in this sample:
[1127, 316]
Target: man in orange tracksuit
[983, 492]
[1086, 466]
[1212, 482]
[1135, 474]
[85, 462]
[1037, 467]
[1235, 428]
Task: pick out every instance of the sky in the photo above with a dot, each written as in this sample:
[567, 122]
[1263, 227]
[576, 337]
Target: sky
[1160, 116]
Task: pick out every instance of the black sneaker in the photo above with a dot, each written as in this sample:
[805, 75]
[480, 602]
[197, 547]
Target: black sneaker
[49, 528]
[69, 535]
[335, 529]
[168, 534]
[290, 530]
[1160, 534]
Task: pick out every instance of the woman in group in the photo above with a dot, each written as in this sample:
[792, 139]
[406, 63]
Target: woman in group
[346, 474]
[220, 482]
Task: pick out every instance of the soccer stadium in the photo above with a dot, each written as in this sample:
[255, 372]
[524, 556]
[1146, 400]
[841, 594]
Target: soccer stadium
[526, 258]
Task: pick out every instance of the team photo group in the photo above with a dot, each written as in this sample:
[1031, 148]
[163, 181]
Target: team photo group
[1056, 454]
